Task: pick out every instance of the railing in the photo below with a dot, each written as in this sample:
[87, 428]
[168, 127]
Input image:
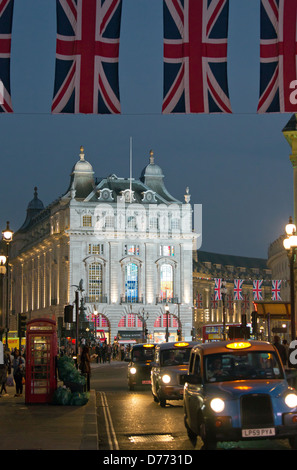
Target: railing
[126, 299]
[99, 299]
[164, 300]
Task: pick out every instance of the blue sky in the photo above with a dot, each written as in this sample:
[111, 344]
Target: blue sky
[237, 166]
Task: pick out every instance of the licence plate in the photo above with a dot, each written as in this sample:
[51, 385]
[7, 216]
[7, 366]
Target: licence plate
[144, 382]
[258, 432]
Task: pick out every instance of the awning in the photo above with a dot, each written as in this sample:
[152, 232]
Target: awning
[277, 310]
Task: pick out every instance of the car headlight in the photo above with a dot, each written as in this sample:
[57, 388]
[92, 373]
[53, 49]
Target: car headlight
[217, 405]
[166, 378]
[291, 400]
[133, 370]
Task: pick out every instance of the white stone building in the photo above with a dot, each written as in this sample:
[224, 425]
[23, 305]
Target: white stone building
[129, 242]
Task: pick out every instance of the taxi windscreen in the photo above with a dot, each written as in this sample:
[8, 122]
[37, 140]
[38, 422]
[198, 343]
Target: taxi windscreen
[252, 365]
[175, 357]
[142, 354]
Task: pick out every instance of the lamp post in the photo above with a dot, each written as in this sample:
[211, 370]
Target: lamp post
[167, 316]
[7, 235]
[2, 274]
[290, 244]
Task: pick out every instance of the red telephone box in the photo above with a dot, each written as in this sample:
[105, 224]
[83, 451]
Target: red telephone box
[41, 354]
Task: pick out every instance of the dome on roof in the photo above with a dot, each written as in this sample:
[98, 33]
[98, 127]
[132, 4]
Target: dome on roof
[36, 204]
[34, 207]
[82, 166]
[82, 177]
[152, 169]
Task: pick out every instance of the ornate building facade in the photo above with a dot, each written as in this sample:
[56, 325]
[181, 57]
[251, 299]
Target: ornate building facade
[126, 244]
[207, 267]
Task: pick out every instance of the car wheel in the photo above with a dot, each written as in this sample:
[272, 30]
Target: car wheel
[156, 399]
[209, 443]
[162, 402]
[293, 442]
[131, 388]
[191, 434]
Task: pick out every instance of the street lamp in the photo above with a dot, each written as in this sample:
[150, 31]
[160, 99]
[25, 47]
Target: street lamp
[167, 315]
[290, 244]
[7, 235]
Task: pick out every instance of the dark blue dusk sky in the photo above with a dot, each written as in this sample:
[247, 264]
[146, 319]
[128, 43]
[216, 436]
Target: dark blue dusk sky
[237, 166]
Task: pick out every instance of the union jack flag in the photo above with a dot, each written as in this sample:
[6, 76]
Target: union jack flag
[257, 290]
[278, 49]
[195, 56]
[217, 289]
[6, 12]
[238, 289]
[87, 57]
[246, 303]
[199, 301]
[230, 302]
[276, 287]
[213, 302]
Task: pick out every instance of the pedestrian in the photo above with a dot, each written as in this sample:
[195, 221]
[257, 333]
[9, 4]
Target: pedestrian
[281, 349]
[286, 346]
[18, 372]
[85, 365]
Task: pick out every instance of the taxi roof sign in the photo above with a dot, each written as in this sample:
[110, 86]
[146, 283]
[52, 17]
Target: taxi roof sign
[239, 345]
[181, 344]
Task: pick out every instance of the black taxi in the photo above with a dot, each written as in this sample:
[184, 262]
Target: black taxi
[139, 368]
[236, 391]
[169, 370]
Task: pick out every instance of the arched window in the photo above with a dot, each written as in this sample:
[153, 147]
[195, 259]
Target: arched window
[166, 282]
[95, 282]
[131, 282]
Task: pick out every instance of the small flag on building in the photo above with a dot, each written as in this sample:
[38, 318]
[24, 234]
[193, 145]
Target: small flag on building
[257, 290]
[238, 289]
[275, 290]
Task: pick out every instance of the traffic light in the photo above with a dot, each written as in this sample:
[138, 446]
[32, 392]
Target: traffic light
[22, 324]
[178, 333]
[254, 322]
[68, 314]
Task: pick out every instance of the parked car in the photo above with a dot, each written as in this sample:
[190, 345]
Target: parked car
[238, 391]
[139, 367]
[169, 370]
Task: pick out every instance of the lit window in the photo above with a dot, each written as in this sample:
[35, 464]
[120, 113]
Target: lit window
[131, 282]
[166, 250]
[132, 250]
[97, 249]
[95, 282]
[87, 221]
[166, 281]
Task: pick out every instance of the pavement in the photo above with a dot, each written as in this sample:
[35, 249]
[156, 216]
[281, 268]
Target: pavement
[46, 426]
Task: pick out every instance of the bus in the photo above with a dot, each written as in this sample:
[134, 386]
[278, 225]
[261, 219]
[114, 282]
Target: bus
[214, 331]
[13, 340]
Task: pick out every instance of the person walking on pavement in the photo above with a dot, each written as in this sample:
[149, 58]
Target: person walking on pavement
[85, 365]
[281, 349]
[5, 369]
[18, 372]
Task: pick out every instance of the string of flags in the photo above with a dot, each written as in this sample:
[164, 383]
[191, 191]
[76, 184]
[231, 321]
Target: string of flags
[238, 294]
[195, 42]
